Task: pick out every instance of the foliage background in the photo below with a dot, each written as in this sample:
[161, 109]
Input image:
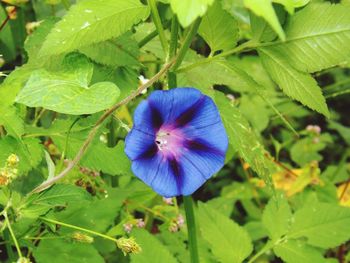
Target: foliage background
[279, 74]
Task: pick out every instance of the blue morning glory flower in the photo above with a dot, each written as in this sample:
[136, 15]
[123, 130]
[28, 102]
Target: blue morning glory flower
[177, 142]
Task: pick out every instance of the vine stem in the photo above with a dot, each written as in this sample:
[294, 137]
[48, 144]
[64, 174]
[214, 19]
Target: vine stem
[12, 234]
[158, 23]
[191, 229]
[266, 248]
[187, 42]
[79, 228]
[98, 124]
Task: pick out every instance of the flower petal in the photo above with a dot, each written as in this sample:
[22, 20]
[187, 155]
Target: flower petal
[147, 118]
[139, 144]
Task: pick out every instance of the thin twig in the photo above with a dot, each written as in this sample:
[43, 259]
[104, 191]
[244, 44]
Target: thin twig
[97, 125]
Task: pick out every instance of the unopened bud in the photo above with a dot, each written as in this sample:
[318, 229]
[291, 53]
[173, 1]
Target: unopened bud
[314, 128]
[23, 260]
[3, 180]
[128, 227]
[78, 236]
[11, 12]
[31, 26]
[180, 220]
[12, 160]
[128, 245]
[168, 201]
[140, 223]
[173, 227]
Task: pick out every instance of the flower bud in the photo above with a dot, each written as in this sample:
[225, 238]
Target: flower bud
[11, 12]
[23, 260]
[128, 227]
[140, 223]
[168, 201]
[12, 160]
[128, 245]
[78, 236]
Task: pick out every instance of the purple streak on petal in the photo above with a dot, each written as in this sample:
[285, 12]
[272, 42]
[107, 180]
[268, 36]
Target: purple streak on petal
[157, 118]
[187, 116]
[151, 151]
[137, 142]
[177, 171]
[200, 145]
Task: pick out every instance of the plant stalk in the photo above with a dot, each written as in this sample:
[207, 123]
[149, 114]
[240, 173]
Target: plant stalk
[158, 23]
[191, 229]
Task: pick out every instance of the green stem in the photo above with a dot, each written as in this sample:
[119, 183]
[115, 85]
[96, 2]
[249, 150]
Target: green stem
[158, 23]
[147, 38]
[267, 247]
[172, 83]
[187, 43]
[13, 235]
[191, 229]
[79, 228]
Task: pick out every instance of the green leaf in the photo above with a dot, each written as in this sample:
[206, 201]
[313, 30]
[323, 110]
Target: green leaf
[98, 215]
[294, 251]
[29, 152]
[317, 37]
[152, 248]
[188, 11]
[277, 216]
[35, 41]
[229, 242]
[13, 123]
[296, 84]
[68, 91]
[265, 9]
[324, 225]
[344, 131]
[243, 139]
[60, 194]
[307, 150]
[218, 28]
[57, 195]
[61, 251]
[122, 51]
[93, 21]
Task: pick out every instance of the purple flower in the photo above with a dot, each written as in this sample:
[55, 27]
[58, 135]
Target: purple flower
[177, 142]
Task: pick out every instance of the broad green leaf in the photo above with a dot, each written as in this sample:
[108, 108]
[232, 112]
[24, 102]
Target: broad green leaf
[307, 149]
[265, 9]
[98, 215]
[294, 251]
[98, 156]
[218, 28]
[152, 248]
[61, 251]
[93, 21]
[317, 37]
[13, 123]
[35, 40]
[66, 93]
[229, 241]
[122, 51]
[243, 139]
[324, 225]
[277, 216]
[188, 11]
[296, 84]
[58, 195]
